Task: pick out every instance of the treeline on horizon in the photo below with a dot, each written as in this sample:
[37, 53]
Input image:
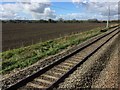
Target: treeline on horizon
[59, 21]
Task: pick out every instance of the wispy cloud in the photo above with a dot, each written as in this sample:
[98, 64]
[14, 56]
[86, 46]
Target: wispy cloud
[36, 10]
[41, 9]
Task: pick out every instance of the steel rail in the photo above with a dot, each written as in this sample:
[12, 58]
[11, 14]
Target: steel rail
[77, 65]
[57, 62]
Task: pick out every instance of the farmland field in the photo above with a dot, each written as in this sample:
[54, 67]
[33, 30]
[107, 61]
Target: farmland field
[15, 35]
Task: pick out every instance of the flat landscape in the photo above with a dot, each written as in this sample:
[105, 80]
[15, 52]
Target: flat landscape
[54, 45]
[15, 35]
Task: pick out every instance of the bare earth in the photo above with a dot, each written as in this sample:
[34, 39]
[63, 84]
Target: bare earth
[15, 35]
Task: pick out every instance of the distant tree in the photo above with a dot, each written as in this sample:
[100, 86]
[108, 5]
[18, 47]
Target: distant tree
[74, 20]
[51, 21]
[61, 20]
[92, 20]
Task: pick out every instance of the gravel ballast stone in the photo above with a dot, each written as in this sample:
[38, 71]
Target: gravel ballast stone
[13, 78]
[87, 75]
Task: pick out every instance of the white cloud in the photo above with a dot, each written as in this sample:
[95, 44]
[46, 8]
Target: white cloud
[104, 1]
[39, 10]
[77, 16]
[86, 16]
[100, 7]
[47, 14]
[9, 11]
[5, 15]
[35, 9]
[100, 1]
[103, 8]
[40, 1]
[96, 8]
[76, 1]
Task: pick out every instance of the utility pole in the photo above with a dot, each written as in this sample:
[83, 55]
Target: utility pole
[108, 16]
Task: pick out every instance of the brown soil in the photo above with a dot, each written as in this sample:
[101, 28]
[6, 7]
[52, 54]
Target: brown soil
[16, 35]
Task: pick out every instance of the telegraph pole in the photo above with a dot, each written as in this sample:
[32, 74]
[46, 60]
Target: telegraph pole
[108, 16]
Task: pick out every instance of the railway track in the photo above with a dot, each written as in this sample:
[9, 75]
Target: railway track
[50, 76]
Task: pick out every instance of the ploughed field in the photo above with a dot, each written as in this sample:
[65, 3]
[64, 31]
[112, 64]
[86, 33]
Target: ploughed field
[15, 35]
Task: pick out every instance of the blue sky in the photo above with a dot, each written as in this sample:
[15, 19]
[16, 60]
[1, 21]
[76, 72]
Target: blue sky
[67, 7]
[78, 9]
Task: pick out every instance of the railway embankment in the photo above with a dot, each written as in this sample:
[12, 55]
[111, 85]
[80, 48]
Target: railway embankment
[99, 71]
[33, 68]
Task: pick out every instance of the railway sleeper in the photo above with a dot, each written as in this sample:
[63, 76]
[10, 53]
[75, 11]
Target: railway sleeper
[40, 83]
[48, 76]
[72, 62]
[35, 86]
[65, 66]
[52, 73]
[59, 69]
[43, 81]
[68, 64]
[77, 58]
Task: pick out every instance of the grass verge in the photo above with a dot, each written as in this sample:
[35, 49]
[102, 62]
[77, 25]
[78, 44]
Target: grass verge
[26, 56]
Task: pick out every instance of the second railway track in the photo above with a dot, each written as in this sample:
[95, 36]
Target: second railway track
[50, 76]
